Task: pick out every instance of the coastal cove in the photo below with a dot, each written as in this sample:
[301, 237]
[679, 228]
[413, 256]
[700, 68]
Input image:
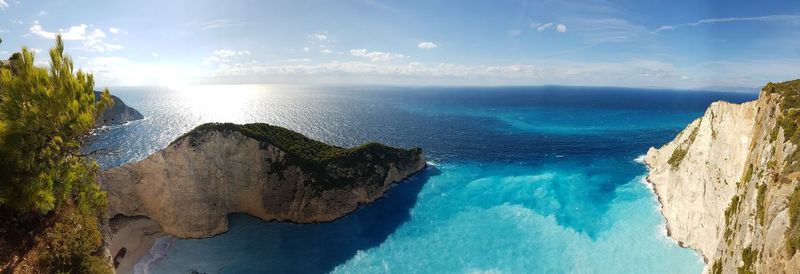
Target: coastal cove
[544, 173]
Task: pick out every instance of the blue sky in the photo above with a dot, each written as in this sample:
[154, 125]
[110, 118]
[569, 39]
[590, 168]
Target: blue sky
[642, 43]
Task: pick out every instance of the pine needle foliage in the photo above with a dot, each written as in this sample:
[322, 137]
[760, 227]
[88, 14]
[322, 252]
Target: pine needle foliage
[45, 115]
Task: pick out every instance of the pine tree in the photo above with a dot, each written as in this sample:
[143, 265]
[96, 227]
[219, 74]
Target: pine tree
[45, 115]
[47, 186]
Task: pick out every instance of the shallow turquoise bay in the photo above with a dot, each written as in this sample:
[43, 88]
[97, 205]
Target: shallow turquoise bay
[521, 180]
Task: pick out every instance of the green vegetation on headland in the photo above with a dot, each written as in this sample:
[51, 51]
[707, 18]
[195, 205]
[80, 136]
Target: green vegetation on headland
[680, 152]
[50, 203]
[789, 121]
[310, 155]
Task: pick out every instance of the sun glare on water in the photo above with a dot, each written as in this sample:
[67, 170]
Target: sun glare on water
[220, 103]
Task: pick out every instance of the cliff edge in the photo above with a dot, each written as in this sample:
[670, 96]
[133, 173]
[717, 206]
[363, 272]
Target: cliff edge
[728, 183]
[265, 171]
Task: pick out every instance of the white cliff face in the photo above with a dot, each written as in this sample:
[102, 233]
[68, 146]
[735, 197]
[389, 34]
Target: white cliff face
[695, 192]
[191, 186]
[727, 196]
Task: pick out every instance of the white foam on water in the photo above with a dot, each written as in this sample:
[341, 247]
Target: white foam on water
[648, 184]
[157, 252]
[663, 232]
[640, 158]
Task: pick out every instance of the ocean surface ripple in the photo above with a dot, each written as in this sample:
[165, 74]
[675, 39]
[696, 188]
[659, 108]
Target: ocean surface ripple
[523, 179]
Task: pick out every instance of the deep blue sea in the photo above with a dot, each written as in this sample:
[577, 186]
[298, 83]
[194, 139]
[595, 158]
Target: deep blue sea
[521, 179]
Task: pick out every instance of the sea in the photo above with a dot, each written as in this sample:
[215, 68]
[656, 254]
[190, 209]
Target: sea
[545, 179]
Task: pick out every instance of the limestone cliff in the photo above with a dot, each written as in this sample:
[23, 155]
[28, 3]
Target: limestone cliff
[265, 171]
[726, 184]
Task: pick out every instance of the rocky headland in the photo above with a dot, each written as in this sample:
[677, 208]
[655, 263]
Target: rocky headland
[265, 171]
[728, 183]
[117, 114]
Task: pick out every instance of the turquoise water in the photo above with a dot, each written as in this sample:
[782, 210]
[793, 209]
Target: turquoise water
[521, 180]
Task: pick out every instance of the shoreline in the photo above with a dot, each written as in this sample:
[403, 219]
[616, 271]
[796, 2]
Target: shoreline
[654, 188]
[137, 235]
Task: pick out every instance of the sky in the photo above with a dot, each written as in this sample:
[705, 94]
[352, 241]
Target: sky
[689, 44]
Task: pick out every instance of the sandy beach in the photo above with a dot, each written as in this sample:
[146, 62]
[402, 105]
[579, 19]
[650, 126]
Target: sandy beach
[136, 235]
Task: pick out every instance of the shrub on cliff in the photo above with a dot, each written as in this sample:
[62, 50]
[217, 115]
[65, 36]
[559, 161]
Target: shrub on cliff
[789, 121]
[793, 233]
[45, 116]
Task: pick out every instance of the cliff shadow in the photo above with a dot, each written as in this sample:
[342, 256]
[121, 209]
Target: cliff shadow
[255, 246]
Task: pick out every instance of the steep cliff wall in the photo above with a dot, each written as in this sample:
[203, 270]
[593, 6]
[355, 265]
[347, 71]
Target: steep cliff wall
[695, 175]
[268, 172]
[725, 184]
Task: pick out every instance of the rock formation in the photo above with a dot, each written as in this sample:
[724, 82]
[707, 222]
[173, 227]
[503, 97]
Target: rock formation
[117, 114]
[265, 171]
[728, 181]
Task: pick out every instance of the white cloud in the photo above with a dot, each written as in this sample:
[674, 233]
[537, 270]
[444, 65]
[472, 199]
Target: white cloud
[664, 28]
[217, 23]
[239, 68]
[42, 13]
[325, 51]
[542, 27]
[223, 56]
[548, 25]
[320, 36]
[606, 30]
[154, 54]
[112, 70]
[305, 49]
[73, 33]
[427, 45]
[376, 56]
[632, 73]
[113, 30]
[92, 41]
[790, 18]
[3, 4]
[4, 31]
[18, 22]
[97, 33]
[225, 53]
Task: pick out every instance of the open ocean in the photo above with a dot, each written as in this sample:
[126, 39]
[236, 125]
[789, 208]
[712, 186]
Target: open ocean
[521, 179]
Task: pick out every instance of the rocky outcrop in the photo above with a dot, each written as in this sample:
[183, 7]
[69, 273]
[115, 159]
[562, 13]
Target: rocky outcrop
[118, 114]
[268, 172]
[726, 181]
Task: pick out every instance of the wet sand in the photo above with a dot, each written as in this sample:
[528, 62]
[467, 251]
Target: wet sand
[136, 235]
